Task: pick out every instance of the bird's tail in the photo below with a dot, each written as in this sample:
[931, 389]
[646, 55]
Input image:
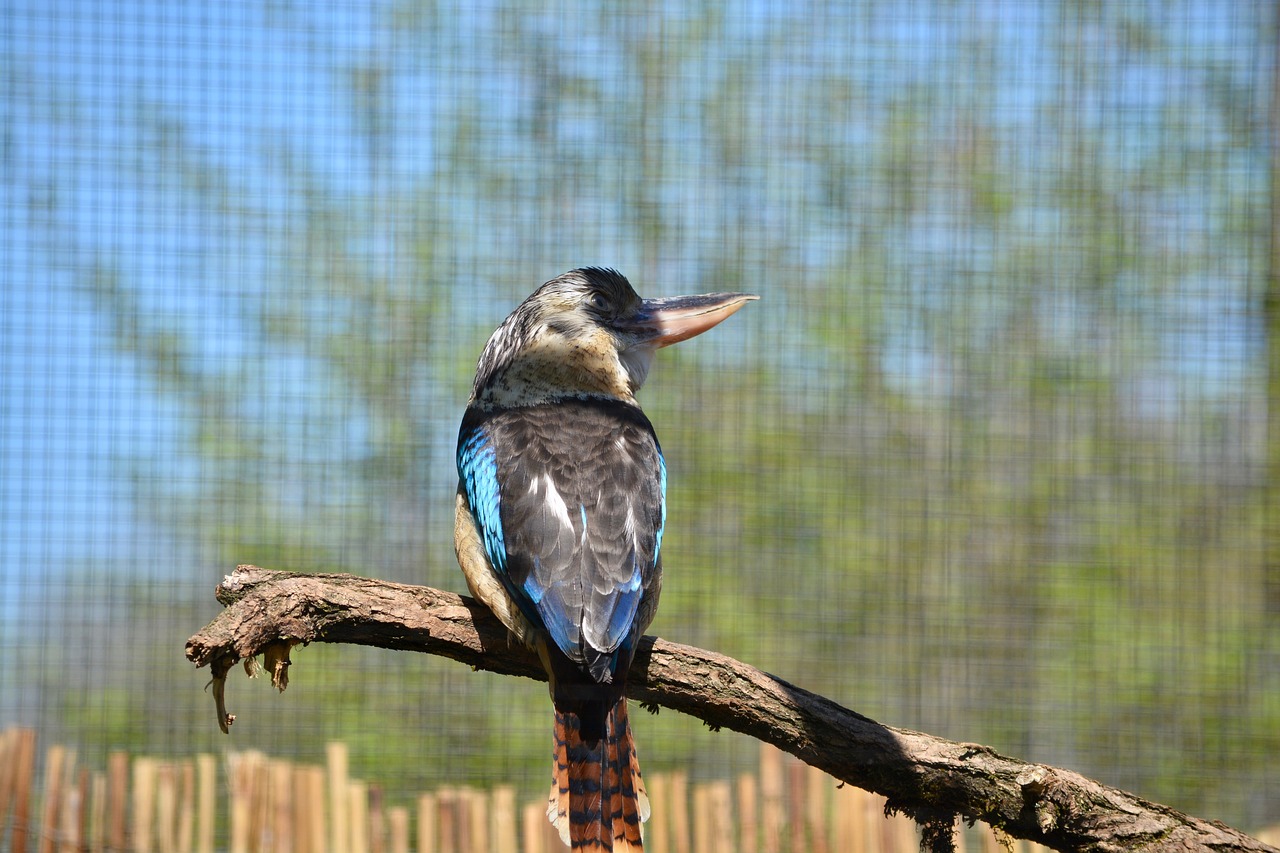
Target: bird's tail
[597, 797]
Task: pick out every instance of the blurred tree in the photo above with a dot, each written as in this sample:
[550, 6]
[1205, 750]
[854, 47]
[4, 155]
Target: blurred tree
[984, 463]
[1271, 326]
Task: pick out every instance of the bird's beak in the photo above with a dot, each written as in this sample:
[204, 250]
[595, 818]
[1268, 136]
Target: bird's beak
[662, 322]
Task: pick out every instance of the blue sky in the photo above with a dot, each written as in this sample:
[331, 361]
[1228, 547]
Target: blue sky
[91, 89]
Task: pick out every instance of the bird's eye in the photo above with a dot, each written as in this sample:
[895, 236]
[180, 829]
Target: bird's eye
[599, 302]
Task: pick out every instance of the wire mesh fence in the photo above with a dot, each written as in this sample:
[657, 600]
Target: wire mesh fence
[996, 456]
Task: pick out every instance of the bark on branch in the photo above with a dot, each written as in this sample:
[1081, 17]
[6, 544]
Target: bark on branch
[931, 779]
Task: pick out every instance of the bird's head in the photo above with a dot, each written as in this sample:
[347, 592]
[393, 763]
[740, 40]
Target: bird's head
[587, 334]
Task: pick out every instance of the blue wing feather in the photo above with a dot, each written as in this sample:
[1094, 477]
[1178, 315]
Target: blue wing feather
[478, 470]
[570, 500]
[662, 493]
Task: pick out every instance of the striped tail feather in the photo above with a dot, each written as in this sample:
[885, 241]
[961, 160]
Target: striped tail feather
[597, 797]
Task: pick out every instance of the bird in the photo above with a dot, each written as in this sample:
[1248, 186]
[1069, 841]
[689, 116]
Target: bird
[560, 513]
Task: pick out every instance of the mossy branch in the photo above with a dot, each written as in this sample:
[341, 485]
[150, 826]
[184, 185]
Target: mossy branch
[931, 779]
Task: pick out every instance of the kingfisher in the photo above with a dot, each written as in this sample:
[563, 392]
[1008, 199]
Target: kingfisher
[559, 517]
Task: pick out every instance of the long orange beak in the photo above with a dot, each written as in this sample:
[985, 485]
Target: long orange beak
[662, 322]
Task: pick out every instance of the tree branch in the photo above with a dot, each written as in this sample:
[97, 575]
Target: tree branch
[926, 777]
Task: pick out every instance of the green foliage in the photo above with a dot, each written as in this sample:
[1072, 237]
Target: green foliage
[954, 469]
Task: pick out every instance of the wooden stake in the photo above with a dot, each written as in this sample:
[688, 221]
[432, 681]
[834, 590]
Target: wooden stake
[144, 813]
[23, 779]
[819, 786]
[447, 815]
[504, 818]
[850, 822]
[478, 820]
[339, 810]
[117, 801]
[377, 826]
[317, 826]
[9, 750]
[532, 818]
[772, 788]
[678, 802]
[702, 839]
[98, 814]
[879, 835]
[242, 782]
[186, 827]
[398, 819]
[795, 797]
[906, 834]
[260, 806]
[719, 816]
[282, 802]
[53, 760]
[657, 834]
[748, 813]
[74, 810]
[427, 824]
[166, 808]
[206, 782]
[303, 808]
[358, 803]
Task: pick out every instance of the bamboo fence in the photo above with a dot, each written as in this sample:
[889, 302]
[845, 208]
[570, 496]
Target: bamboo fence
[257, 804]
